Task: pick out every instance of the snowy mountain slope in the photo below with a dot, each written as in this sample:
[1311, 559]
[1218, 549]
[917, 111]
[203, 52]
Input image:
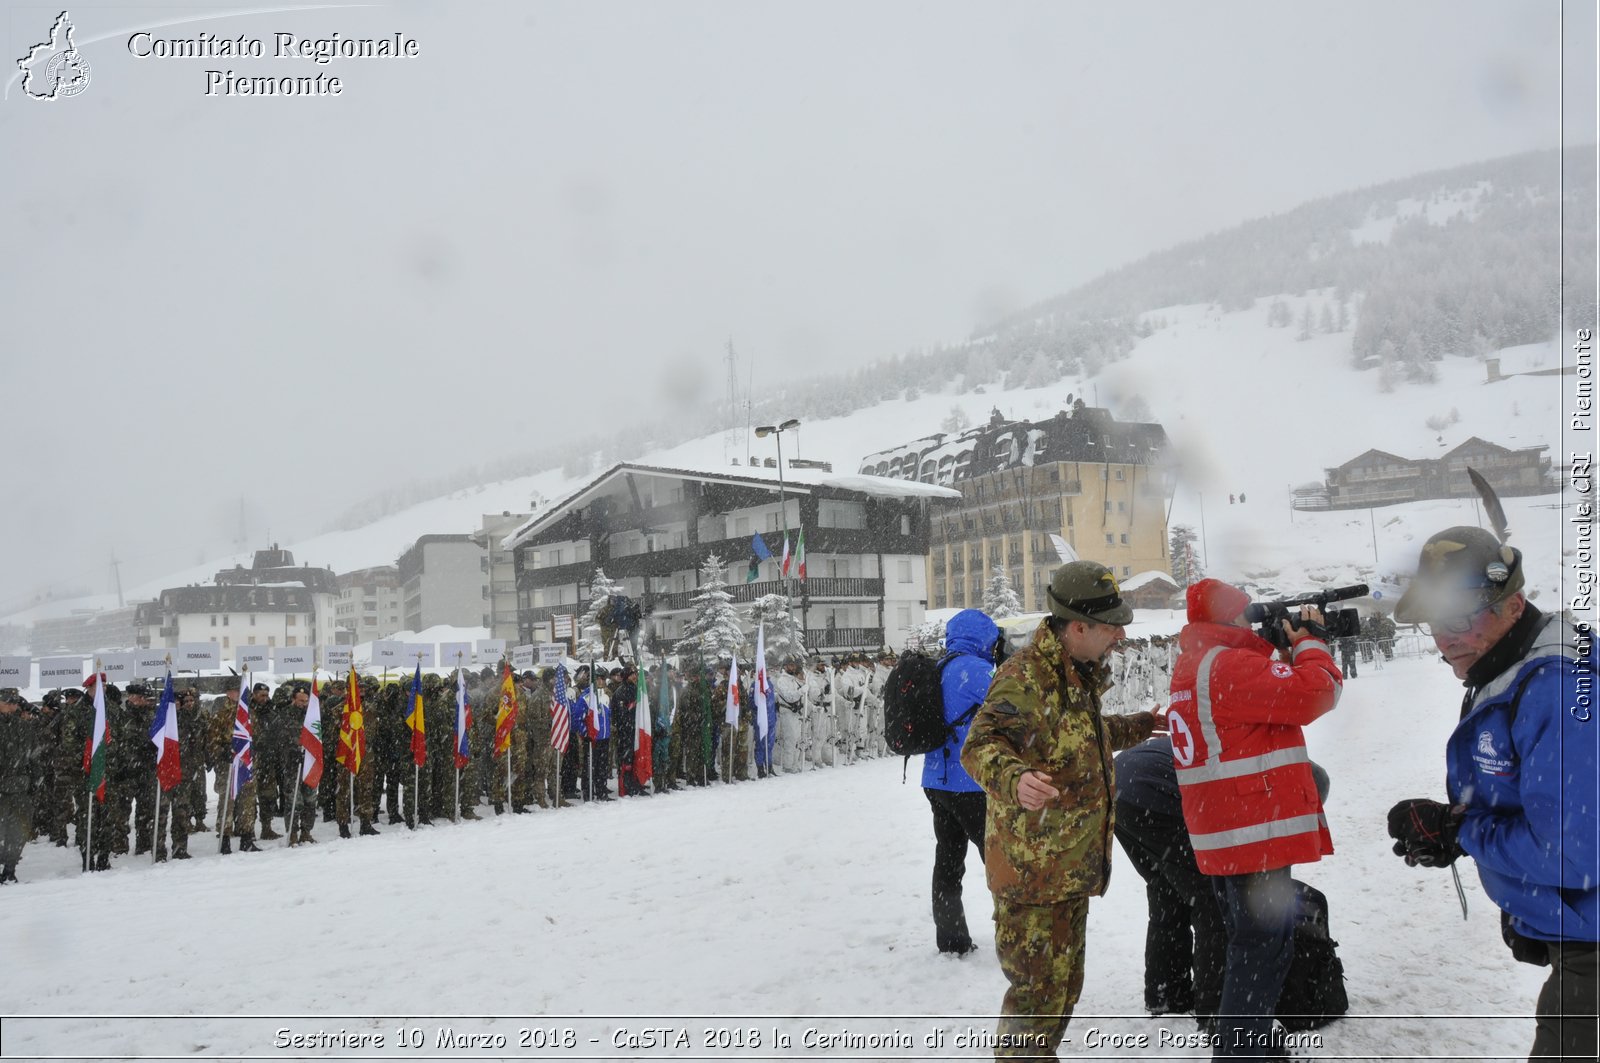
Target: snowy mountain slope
[798, 897]
[1249, 409]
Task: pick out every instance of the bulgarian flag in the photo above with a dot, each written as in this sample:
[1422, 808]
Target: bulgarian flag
[164, 733]
[642, 746]
[311, 739]
[506, 718]
[353, 728]
[419, 741]
[98, 743]
[800, 553]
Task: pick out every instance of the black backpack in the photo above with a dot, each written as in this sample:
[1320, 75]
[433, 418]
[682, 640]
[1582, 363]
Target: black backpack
[913, 706]
[1313, 992]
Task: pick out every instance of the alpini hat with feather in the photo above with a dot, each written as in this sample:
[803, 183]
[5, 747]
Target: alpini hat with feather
[1461, 571]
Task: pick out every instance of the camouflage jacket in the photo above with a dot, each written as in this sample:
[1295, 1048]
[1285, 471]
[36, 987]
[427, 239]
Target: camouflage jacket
[1040, 716]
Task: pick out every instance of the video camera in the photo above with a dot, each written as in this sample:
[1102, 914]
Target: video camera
[1339, 623]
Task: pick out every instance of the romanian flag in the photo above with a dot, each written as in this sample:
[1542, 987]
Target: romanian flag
[506, 718]
[642, 746]
[311, 739]
[164, 733]
[352, 729]
[98, 743]
[463, 721]
[419, 742]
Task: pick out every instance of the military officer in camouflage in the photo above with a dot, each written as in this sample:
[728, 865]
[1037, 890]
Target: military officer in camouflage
[1041, 750]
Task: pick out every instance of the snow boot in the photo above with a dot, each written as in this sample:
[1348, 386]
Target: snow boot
[227, 845]
[467, 813]
[344, 830]
[499, 808]
[267, 833]
[521, 810]
[367, 827]
[247, 843]
[180, 853]
[161, 854]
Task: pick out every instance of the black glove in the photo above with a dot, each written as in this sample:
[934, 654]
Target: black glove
[1425, 832]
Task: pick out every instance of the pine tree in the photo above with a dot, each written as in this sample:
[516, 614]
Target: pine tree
[591, 641]
[1186, 568]
[714, 633]
[1305, 324]
[999, 600]
[783, 634]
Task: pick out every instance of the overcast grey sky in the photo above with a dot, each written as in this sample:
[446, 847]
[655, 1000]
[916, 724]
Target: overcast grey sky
[307, 299]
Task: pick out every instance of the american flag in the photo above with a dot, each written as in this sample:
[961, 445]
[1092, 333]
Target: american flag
[242, 741]
[560, 715]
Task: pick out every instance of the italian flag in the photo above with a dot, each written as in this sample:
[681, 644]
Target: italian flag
[800, 553]
[643, 745]
[97, 746]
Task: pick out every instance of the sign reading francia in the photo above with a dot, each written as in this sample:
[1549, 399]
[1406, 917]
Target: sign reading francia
[16, 671]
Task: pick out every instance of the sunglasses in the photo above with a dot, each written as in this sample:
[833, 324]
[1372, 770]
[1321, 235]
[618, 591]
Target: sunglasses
[1454, 625]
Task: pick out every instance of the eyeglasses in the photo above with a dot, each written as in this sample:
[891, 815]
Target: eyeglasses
[1454, 625]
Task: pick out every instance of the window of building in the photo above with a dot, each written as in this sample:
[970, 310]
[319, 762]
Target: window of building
[903, 567]
[1110, 539]
[555, 558]
[1122, 507]
[290, 621]
[288, 640]
[1119, 474]
[225, 617]
[1108, 505]
[252, 619]
[483, 562]
[902, 616]
[905, 524]
[1124, 538]
[224, 642]
[1055, 476]
[833, 513]
[741, 526]
[1126, 570]
[213, 619]
[272, 640]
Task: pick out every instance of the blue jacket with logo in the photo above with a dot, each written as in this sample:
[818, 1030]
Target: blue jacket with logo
[970, 637]
[1529, 787]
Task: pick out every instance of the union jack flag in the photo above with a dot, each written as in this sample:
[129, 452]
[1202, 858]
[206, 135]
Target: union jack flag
[560, 715]
[242, 742]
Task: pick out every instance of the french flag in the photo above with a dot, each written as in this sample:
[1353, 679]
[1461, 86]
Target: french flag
[164, 733]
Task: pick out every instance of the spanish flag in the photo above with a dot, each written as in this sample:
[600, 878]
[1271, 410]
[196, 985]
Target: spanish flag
[506, 718]
[419, 744]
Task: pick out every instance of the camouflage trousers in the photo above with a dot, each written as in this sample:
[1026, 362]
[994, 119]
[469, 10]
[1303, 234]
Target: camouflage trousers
[241, 810]
[132, 798]
[362, 787]
[1040, 948]
[518, 773]
[174, 816]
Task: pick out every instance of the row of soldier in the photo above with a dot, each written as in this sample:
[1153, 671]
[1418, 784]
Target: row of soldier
[817, 716]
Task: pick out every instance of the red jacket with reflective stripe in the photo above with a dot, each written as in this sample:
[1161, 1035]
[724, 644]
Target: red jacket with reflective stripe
[1249, 797]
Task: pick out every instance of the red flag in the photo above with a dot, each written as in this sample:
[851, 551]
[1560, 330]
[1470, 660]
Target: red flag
[311, 739]
[506, 718]
[643, 748]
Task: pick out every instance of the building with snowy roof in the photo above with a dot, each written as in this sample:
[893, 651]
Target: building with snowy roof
[1098, 483]
[1379, 478]
[651, 527]
[274, 602]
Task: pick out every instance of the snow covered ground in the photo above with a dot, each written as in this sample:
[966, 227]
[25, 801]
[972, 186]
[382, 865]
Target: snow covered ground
[798, 903]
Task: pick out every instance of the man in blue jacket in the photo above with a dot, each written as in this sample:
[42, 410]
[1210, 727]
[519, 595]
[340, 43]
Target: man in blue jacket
[1521, 771]
[971, 643]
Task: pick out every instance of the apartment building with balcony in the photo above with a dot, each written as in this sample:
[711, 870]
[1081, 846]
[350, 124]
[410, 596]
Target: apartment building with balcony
[650, 528]
[1379, 478]
[369, 605]
[1098, 483]
[274, 602]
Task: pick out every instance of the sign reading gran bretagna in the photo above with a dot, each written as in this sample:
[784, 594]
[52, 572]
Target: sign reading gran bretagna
[318, 50]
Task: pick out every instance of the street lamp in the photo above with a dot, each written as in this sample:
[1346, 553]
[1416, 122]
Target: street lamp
[777, 430]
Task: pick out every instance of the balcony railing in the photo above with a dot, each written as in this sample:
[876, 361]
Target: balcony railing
[844, 638]
[816, 588]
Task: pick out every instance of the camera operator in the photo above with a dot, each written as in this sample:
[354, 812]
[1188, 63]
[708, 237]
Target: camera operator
[1520, 772]
[1249, 796]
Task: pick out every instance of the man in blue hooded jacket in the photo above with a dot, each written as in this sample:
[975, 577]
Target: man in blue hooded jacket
[1521, 771]
[971, 642]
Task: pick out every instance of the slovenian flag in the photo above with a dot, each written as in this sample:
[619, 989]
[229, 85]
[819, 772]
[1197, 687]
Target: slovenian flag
[732, 717]
[98, 744]
[597, 717]
[164, 733]
[243, 741]
[463, 721]
[419, 741]
[311, 739]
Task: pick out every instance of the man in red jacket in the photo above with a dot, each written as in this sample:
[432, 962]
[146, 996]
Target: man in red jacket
[1249, 797]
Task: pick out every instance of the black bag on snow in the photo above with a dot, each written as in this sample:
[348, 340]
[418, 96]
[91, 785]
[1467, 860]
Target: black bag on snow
[913, 705]
[1313, 992]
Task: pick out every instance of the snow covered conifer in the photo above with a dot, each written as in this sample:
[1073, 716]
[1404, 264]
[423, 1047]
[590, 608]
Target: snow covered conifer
[999, 600]
[714, 632]
[784, 637]
[1186, 568]
[591, 641]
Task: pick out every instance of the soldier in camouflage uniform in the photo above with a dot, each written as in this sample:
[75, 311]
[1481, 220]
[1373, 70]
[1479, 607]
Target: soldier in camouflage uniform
[192, 727]
[694, 734]
[1041, 750]
[241, 815]
[388, 742]
[663, 699]
[300, 807]
[331, 695]
[269, 725]
[131, 768]
[22, 757]
[541, 758]
[72, 785]
[439, 773]
[47, 821]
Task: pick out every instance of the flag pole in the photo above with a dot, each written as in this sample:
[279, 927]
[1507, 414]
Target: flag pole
[457, 807]
[88, 853]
